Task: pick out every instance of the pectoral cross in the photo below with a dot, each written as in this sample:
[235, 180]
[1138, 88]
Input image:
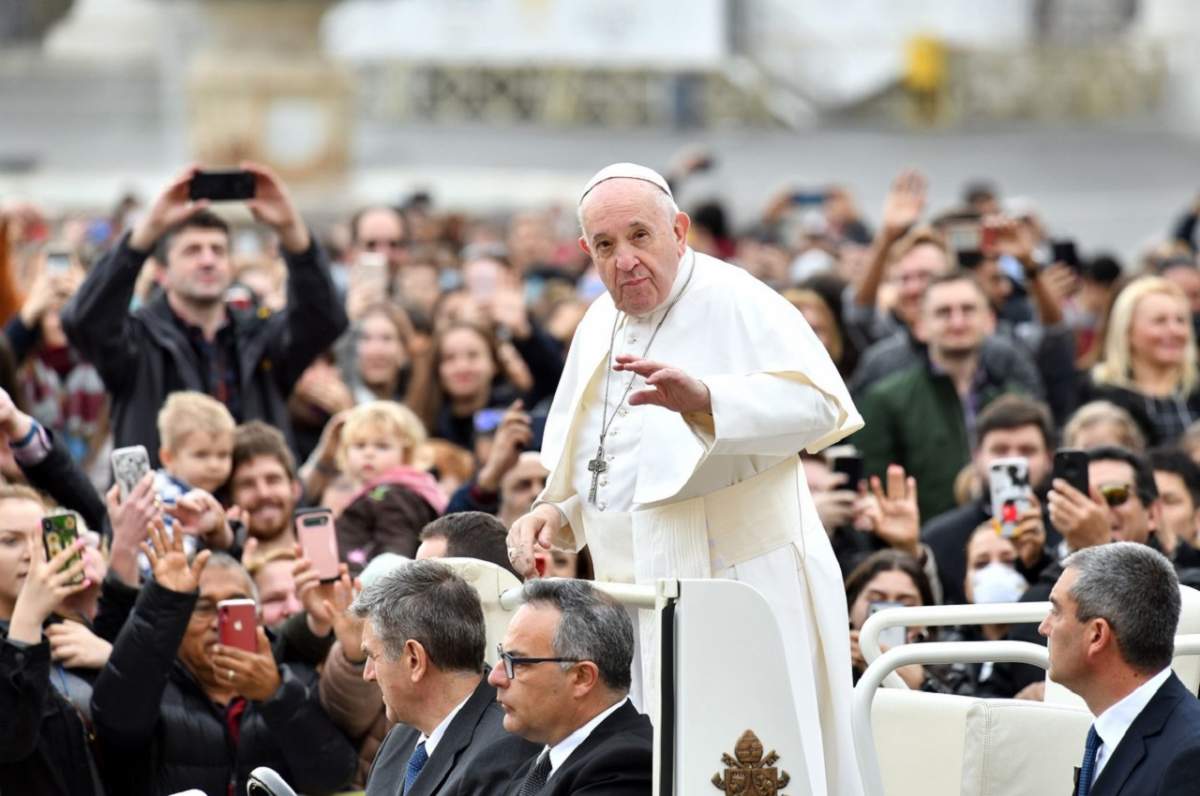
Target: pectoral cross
[596, 466]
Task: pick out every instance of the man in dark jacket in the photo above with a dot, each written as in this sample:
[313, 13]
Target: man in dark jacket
[424, 637]
[924, 418]
[173, 709]
[1011, 426]
[188, 338]
[594, 740]
[1112, 636]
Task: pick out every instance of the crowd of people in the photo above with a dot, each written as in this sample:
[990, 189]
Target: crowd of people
[400, 369]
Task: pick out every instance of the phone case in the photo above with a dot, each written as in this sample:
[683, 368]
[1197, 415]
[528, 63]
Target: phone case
[318, 538]
[1008, 481]
[59, 531]
[237, 625]
[129, 465]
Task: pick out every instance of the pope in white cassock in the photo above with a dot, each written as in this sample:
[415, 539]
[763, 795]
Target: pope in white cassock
[672, 442]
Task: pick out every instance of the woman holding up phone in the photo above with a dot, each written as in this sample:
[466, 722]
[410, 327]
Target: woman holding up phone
[44, 705]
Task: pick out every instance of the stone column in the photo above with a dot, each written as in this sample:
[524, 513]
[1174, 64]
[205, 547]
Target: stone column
[260, 89]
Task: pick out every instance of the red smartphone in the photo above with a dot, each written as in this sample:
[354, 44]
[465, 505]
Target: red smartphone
[318, 539]
[237, 624]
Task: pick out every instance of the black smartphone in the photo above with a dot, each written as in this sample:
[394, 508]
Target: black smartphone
[1064, 251]
[850, 465]
[1071, 465]
[222, 186]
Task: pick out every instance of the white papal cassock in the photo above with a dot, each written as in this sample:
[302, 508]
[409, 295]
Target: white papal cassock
[692, 498]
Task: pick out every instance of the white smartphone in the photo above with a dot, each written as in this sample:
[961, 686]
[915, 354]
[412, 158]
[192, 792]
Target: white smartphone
[892, 636]
[1008, 482]
[129, 465]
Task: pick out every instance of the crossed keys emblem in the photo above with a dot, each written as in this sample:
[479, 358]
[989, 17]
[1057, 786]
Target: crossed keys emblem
[751, 773]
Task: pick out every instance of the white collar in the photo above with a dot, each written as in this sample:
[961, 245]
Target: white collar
[435, 737]
[563, 749]
[1112, 724]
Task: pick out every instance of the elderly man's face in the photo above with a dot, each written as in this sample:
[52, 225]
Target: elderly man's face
[393, 676]
[635, 246]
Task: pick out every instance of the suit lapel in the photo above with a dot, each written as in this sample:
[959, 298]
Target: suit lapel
[1132, 748]
[456, 738]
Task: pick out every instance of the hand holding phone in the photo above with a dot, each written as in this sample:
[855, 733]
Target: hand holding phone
[222, 186]
[59, 533]
[1012, 496]
[1071, 465]
[237, 624]
[129, 464]
[318, 539]
[892, 636]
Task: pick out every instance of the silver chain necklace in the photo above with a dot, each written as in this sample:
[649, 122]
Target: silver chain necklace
[598, 466]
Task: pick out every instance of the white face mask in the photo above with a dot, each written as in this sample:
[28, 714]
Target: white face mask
[997, 583]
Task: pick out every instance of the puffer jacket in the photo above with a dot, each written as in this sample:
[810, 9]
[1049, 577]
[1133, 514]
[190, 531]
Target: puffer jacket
[160, 733]
[44, 745]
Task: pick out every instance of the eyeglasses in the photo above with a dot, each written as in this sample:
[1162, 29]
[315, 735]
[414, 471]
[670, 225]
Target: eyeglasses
[511, 662]
[1115, 494]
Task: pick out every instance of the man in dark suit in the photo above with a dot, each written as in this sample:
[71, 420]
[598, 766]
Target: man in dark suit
[563, 681]
[424, 638]
[1112, 636]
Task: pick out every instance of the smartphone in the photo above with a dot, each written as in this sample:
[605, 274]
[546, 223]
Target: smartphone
[129, 465]
[1071, 465]
[59, 531]
[808, 198]
[487, 420]
[850, 465]
[222, 186]
[964, 236]
[237, 624]
[1012, 496]
[1064, 251]
[58, 262]
[370, 268]
[890, 636]
[318, 539]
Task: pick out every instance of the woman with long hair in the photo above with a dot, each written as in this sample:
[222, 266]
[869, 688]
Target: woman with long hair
[1149, 363]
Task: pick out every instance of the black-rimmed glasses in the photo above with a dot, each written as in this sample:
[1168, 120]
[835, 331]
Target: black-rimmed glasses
[511, 662]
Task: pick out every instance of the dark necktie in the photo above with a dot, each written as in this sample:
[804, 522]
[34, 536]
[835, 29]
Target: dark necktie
[415, 764]
[537, 775]
[1087, 771]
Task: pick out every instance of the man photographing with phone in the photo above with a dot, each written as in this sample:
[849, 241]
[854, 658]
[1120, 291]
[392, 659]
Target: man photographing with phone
[188, 338]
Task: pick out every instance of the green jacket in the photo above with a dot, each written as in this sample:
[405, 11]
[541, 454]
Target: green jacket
[914, 418]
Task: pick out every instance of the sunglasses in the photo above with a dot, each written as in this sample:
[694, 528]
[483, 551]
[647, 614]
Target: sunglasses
[1115, 494]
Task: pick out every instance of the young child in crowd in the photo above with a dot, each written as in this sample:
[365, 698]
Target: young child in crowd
[395, 499]
[196, 454]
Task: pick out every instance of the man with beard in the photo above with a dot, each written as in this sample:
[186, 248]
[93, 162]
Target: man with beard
[264, 489]
[924, 417]
[189, 338]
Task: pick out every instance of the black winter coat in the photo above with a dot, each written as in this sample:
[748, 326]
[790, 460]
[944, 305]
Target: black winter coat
[144, 356]
[44, 746]
[160, 733]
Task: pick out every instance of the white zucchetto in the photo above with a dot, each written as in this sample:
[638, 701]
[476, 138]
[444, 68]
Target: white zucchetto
[630, 171]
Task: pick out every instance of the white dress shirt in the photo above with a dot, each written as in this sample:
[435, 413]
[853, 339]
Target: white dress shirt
[1113, 723]
[433, 739]
[563, 749]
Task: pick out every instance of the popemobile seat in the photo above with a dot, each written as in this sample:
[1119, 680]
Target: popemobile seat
[939, 745]
[490, 581]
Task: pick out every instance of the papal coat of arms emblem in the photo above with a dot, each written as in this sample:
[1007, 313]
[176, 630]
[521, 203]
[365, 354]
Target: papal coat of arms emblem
[751, 773]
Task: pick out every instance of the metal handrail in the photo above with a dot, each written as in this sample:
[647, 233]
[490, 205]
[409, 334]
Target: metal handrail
[624, 593]
[930, 652]
[942, 616]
